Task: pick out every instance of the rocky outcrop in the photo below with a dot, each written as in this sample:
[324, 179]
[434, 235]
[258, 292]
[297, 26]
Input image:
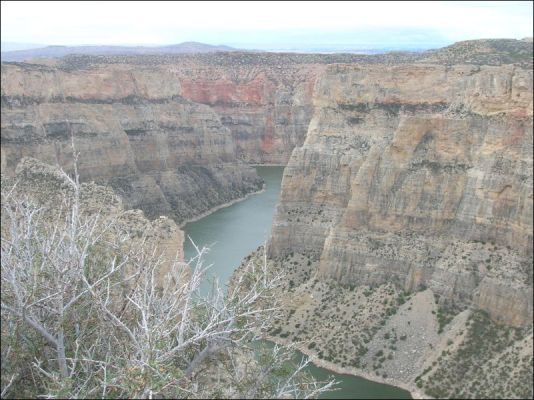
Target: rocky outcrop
[484, 52]
[419, 175]
[49, 189]
[162, 153]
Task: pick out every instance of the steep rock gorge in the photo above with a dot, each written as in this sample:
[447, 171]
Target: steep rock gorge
[419, 175]
[405, 224]
[136, 129]
[139, 126]
[406, 208]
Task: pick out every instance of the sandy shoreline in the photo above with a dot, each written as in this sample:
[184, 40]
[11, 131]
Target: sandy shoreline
[228, 204]
[267, 165]
[414, 391]
[224, 205]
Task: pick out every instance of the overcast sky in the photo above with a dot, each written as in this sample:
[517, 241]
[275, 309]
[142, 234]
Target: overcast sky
[274, 24]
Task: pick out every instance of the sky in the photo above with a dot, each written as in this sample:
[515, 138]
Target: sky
[264, 25]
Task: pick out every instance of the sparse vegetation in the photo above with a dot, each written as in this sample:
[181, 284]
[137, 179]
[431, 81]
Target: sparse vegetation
[88, 311]
[486, 359]
[444, 316]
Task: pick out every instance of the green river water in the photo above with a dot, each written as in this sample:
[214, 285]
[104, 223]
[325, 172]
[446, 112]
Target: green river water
[232, 233]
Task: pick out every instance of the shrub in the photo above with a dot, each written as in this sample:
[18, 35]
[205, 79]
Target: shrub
[93, 311]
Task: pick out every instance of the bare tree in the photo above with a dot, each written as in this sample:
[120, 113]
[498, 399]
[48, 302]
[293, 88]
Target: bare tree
[85, 312]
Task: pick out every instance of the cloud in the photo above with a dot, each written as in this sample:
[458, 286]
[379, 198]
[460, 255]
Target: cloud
[223, 22]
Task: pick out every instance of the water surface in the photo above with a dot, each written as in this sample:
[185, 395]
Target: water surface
[234, 232]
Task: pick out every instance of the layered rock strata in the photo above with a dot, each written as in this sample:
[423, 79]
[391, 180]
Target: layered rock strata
[162, 153]
[420, 175]
[266, 107]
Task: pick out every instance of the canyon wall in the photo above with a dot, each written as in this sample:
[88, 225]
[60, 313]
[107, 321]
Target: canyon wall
[139, 125]
[161, 152]
[419, 175]
[266, 107]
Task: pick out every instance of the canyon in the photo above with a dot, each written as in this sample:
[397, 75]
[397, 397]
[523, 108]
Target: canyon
[406, 202]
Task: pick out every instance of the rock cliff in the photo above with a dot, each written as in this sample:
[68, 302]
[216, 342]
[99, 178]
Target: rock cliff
[139, 126]
[404, 226]
[419, 175]
[266, 107]
[161, 152]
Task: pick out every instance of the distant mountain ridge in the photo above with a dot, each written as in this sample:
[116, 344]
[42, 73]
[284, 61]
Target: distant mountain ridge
[13, 46]
[60, 51]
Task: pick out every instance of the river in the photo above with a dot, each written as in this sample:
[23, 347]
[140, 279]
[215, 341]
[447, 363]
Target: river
[232, 233]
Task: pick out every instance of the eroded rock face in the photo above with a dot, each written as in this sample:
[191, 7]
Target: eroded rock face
[408, 169]
[162, 153]
[266, 104]
[139, 127]
[419, 175]
[267, 108]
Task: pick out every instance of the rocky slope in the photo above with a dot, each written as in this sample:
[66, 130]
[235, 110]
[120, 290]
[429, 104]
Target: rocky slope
[484, 52]
[406, 339]
[45, 186]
